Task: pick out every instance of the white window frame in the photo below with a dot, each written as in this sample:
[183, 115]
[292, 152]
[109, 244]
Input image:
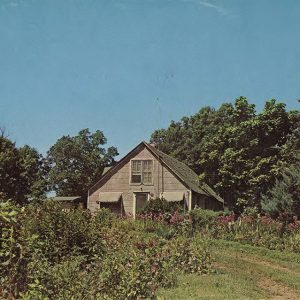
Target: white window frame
[141, 183]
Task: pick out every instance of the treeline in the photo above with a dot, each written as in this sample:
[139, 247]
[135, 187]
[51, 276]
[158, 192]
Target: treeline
[250, 158]
[238, 151]
[71, 166]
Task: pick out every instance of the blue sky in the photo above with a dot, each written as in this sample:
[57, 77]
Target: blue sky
[128, 67]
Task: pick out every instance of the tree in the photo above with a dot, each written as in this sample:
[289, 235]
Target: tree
[21, 172]
[33, 175]
[76, 163]
[233, 148]
[10, 171]
[290, 150]
[284, 197]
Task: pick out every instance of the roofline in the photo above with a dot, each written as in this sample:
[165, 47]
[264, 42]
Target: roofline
[170, 168]
[64, 198]
[118, 163]
[216, 196]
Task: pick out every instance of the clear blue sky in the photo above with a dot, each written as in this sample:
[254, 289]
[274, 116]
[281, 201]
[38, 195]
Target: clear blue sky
[128, 67]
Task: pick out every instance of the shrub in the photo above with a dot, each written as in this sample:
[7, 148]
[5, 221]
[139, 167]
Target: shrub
[284, 198]
[202, 218]
[135, 270]
[61, 233]
[190, 255]
[104, 216]
[48, 253]
[159, 205]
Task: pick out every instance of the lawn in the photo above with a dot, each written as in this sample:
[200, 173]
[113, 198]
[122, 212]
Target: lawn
[242, 272]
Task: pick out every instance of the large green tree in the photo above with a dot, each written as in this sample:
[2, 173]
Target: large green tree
[77, 162]
[33, 176]
[21, 172]
[232, 148]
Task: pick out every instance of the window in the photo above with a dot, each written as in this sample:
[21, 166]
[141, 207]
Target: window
[141, 171]
[136, 171]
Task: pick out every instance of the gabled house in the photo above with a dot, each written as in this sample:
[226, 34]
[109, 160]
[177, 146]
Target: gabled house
[145, 173]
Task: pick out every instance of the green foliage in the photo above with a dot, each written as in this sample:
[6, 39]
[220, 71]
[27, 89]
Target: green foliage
[33, 176]
[284, 198]
[77, 162]
[190, 255]
[160, 205]
[202, 218]
[10, 171]
[234, 149]
[47, 253]
[104, 217]
[259, 231]
[136, 269]
[21, 172]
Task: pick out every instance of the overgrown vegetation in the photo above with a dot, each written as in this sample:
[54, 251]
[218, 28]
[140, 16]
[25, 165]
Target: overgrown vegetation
[280, 233]
[48, 253]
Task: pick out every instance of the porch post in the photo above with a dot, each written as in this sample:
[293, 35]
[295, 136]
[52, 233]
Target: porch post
[190, 201]
[134, 205]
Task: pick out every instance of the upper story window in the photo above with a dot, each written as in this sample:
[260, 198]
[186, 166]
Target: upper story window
[141, 171]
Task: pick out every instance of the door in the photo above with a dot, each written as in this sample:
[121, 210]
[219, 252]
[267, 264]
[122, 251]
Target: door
[140, 201]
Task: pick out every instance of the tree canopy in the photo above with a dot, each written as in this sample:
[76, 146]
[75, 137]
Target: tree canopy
[77, 162]
[21, 172]
[234, 149]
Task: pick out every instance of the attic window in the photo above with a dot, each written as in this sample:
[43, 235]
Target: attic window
[141, 171]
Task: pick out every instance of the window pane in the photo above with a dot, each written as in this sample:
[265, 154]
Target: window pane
[147, 171]
[147, 165]
[136, 178]
[147, 177]
[141, 171]
[136, 165]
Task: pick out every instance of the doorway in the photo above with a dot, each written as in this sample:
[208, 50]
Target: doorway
[140, 201]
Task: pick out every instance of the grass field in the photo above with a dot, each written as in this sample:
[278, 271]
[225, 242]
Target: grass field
[242, 272]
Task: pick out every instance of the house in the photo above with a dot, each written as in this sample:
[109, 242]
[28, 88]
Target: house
[145, 173]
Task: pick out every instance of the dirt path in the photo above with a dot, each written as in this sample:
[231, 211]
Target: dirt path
[277, 290]
[266, 263]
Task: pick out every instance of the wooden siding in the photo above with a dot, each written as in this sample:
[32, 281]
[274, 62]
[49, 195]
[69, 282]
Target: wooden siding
[119, 181]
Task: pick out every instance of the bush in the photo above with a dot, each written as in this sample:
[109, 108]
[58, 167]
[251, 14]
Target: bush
[135, 270]
[48, 253]
[190, 255]
[283, 200]
[160, 206]
[202, 218]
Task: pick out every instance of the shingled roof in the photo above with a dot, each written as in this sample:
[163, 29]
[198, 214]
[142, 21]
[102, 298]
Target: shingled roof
[185, 173]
